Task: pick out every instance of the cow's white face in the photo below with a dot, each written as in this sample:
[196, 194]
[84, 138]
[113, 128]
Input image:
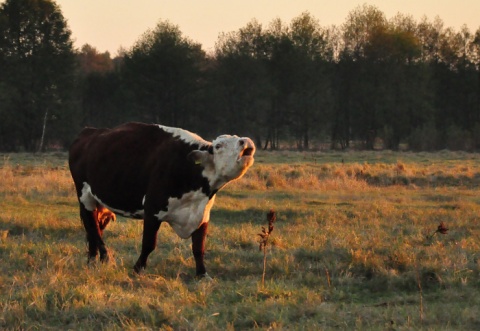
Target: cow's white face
[232, 156]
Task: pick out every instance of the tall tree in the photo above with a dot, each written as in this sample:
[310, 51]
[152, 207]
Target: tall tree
[102, 94]
[279, 47]
[394, 51]
[243, 81]
[91, 60]
[37, 64]
[310, 58]
[357, 29]
[361, 88]
[163, 70]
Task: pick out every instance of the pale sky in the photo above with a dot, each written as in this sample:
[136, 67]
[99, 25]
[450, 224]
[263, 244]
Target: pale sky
[110, 24]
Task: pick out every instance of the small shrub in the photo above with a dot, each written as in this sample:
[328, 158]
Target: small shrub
[458, 139]
[424, 138]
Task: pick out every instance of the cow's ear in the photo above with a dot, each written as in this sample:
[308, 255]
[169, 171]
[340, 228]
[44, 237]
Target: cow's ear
[199, 157]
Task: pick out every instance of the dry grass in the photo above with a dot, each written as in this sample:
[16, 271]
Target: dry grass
[352, 248]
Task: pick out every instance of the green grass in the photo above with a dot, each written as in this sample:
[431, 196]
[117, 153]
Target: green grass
[350, 250]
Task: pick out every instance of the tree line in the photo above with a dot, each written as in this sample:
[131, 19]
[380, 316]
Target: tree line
[369, 83]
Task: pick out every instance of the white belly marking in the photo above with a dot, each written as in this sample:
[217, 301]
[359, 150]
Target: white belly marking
[186, 214]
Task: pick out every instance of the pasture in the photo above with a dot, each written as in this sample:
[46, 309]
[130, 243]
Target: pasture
[354, 246]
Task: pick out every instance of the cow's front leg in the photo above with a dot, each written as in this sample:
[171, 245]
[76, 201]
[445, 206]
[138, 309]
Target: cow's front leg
[198, 248]
[149, 241]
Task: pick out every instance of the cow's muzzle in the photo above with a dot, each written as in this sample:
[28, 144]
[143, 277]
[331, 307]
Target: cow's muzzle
[247, 148]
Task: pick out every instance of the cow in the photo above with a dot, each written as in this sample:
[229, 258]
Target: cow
[155, 173]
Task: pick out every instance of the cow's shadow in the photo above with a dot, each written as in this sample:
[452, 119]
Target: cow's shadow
[14, 229]
[222, 216]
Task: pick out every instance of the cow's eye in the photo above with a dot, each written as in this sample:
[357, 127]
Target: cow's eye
[217, 146]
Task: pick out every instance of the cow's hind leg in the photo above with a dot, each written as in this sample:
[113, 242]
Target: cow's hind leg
[94, 235]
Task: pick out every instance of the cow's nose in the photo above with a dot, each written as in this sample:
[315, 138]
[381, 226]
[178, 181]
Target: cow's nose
[246, 142]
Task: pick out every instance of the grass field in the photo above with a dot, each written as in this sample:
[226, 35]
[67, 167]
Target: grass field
[354, 247]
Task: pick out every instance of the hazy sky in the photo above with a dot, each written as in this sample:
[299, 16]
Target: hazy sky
[109, 24]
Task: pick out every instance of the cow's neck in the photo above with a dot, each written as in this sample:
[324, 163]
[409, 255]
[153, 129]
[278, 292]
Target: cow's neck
[216, 182]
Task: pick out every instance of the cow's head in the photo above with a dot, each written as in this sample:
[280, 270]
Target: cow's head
[228, 158]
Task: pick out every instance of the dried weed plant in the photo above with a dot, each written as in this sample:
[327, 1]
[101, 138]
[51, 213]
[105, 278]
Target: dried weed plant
[442, 229]
[264, 235]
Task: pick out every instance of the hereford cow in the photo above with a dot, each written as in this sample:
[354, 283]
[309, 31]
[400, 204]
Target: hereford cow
[155, 173]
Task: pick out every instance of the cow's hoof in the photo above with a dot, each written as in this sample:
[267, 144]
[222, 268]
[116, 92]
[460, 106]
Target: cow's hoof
[92, 263]
[92, 259]
[106, 256]
[204, 277]
[105, 259]
[138, 269]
